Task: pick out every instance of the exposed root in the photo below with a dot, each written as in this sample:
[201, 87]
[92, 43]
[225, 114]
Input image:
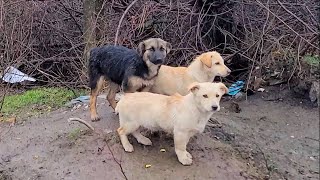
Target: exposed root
[82, 122]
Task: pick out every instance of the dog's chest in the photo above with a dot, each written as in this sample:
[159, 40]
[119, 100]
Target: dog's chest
[196, 122]
[153, 72]
[140, 83]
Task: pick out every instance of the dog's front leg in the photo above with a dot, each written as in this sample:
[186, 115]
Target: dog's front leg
[127, 86]
[181, 139]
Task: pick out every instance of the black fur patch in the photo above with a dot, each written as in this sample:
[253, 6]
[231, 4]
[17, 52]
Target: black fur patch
[116, 63]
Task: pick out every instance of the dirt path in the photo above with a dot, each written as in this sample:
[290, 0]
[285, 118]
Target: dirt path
[279, 135]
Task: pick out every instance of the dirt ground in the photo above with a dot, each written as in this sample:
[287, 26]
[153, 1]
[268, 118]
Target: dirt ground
[273, 136]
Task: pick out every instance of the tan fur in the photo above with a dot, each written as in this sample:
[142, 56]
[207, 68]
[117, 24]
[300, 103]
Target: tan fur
[177, 79]
[183, 116]
[136, 83]
[93, 99]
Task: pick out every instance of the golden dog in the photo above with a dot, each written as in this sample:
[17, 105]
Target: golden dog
[183, 116]
[204, 68]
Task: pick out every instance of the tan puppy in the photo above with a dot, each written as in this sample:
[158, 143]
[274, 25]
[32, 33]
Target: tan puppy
[183, 116]
[204, 68]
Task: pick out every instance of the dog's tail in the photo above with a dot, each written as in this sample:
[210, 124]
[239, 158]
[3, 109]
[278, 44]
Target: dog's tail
[119, 104]
[93, 68]
[117, 107]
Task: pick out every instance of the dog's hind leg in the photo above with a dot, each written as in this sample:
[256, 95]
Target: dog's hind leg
[123, 132]
[141, 139]
[112, 89]
[93, 98]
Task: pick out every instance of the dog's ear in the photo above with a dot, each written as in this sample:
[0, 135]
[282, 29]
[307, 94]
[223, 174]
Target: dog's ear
[206, 60]
[194, 87]
[168, 47]
[224, 88]
[141, 48]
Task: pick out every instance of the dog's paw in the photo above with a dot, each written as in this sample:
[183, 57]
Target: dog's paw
[128, 147]
[185, 161]
[145, 141]
[188, 155]
[95, 118]
[185, 158]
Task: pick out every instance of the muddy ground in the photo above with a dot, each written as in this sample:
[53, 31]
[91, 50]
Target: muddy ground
[272, 136]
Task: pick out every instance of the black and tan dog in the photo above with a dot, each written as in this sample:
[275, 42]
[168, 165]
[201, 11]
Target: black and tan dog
[119, 66]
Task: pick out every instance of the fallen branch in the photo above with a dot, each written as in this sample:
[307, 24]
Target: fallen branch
[82, 122]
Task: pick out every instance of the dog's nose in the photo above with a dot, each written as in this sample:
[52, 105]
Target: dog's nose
[214, 108]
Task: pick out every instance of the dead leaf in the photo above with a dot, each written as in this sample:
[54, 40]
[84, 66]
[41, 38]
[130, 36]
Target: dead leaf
[257, 83]
[11, 120]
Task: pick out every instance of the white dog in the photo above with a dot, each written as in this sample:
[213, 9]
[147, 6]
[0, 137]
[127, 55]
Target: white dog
[183, 116]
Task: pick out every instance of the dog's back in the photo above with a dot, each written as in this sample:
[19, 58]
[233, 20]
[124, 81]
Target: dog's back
[154, 107]
[165, 84]
[113, 62]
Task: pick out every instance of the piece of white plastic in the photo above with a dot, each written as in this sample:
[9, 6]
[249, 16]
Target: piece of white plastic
[13, 75]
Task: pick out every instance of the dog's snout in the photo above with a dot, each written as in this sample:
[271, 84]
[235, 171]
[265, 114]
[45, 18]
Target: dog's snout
[158, 61]
[157, 58]
[214, 107]
[228, 71]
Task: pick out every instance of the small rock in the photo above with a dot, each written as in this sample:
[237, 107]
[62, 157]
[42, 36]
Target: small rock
[6, 159]
[312, 158]
[261, 90]
[35, 157]
[234, 107]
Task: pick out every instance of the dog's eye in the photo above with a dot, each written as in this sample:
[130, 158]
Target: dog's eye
[205, 96]
[162, 49]
[217, 63]
[217, 95]
[151, 49]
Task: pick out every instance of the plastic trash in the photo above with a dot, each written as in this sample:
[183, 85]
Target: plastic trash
[13, 75]
[79, 99]
[235, 88]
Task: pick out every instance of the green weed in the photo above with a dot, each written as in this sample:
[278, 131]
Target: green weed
[74, 134]
[312, 60]
[37, 100]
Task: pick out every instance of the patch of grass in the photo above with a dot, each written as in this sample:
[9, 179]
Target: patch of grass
[37, 100]
[312, 60]
[75, 134]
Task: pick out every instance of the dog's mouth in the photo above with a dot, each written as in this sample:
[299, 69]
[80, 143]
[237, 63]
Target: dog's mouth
[157, 62]
[222, 74]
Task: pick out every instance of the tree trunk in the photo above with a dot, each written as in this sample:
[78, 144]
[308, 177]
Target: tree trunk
[89, 9]
[100, 14]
